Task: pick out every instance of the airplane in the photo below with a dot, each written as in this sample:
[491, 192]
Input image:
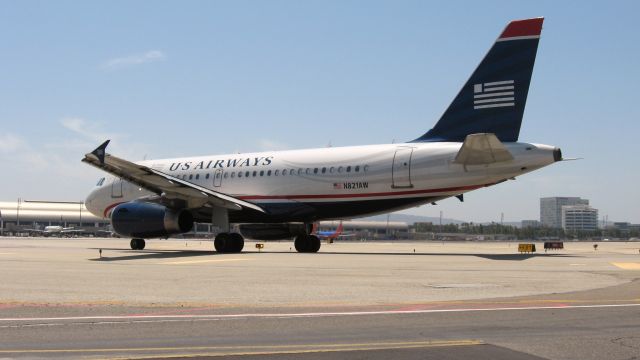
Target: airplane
[280, 194]
[55, 230]
[330, 235]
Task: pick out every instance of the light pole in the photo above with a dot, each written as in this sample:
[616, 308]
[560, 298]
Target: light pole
[18, 212]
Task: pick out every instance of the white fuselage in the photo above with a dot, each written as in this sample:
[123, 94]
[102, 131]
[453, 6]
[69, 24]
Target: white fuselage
[386, 177]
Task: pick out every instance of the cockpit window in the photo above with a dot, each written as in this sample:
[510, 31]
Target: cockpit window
[100, 182]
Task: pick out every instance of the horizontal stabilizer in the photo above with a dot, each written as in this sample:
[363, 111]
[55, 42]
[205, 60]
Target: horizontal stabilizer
[482, 149]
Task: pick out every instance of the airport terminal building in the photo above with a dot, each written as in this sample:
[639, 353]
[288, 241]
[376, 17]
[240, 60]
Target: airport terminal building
[29, 216]
[24, 215]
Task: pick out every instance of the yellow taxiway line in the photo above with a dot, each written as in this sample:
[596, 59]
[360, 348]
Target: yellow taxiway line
[627, 266]
[196, 351]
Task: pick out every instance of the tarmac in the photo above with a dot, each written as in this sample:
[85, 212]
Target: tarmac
[371, 300]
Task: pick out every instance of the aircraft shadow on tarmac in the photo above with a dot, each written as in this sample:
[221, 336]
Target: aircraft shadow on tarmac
[169, 254]
[149, 254]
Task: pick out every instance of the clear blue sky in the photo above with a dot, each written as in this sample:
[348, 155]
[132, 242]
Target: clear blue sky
[165, 79]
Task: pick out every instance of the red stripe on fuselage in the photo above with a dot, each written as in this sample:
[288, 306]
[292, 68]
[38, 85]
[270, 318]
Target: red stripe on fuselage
[342, 196]
[111, 207]
[359, 195]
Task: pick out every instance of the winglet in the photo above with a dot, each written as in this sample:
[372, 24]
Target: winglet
[99, 152]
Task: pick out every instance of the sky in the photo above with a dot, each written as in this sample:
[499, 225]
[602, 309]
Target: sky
[182, 78]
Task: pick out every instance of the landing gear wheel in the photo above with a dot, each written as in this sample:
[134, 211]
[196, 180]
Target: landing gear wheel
[238, 242]
[137, 244]
[222, 243]
[307, 243]
[315, 243]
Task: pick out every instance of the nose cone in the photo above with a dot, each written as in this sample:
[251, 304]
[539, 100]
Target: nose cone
[92, 202]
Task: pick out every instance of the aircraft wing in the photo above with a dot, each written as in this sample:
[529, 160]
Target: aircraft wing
[482, 149]
[165, 185]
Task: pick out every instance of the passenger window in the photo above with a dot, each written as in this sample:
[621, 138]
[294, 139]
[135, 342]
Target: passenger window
[308, 171]
[207, 176]
[255, 173]
[197, 176]
[269, 173]
[291, 172]
[277, 171]
[315, 171]
[246, 174]
[233, 174]
[366, 168]
[217, 175]
[226, 175]
[332, 169]
[324, 170]
[261, 172]
[357, 169]
[340, 169]
[239, 174]
[299, 171]
[348, 168]
[190, 176]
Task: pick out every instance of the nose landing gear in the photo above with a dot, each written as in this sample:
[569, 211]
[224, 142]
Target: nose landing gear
[137, 244]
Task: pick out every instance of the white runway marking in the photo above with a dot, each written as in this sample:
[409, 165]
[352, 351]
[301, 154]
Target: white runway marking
[200, 261]
[160, 318]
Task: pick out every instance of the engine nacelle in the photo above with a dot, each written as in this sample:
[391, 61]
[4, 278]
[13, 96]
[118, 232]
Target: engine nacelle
[149, 220]
[272, 231]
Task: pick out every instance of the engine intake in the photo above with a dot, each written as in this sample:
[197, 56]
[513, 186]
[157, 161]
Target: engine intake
[149, 220]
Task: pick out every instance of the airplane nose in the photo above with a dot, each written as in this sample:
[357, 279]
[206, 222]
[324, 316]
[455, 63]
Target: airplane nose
[91, 203]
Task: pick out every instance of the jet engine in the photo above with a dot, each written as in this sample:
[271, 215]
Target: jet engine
[149, 220]
[272, 231]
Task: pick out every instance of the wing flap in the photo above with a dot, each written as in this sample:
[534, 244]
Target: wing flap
[482, 149]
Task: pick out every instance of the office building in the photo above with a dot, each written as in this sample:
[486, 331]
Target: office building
[551, 209]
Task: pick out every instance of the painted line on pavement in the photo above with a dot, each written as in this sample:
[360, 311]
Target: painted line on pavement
[200, 261]
[627, 266]
[134, 318]
[265, 349]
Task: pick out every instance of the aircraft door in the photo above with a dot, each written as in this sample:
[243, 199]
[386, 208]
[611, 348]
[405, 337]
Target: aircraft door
[217, 178]
[116, 188]
[401, 169]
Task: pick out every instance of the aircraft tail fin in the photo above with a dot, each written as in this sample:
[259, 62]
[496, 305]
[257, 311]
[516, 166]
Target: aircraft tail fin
[494, 97]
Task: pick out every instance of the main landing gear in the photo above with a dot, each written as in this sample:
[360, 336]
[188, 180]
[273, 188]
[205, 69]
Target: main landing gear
[228, 243]
[137, 244]
[307, 243]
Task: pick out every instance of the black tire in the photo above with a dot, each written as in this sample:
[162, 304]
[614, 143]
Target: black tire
[300, 243]
[223, 243]
[137, 244]
[237, 242]
[314, 243]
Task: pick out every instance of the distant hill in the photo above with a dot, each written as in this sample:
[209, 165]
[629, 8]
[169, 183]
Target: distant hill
[410, 219]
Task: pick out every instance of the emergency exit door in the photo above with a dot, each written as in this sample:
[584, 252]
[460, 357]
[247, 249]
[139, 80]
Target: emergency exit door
[401, 170]
[116, 188]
